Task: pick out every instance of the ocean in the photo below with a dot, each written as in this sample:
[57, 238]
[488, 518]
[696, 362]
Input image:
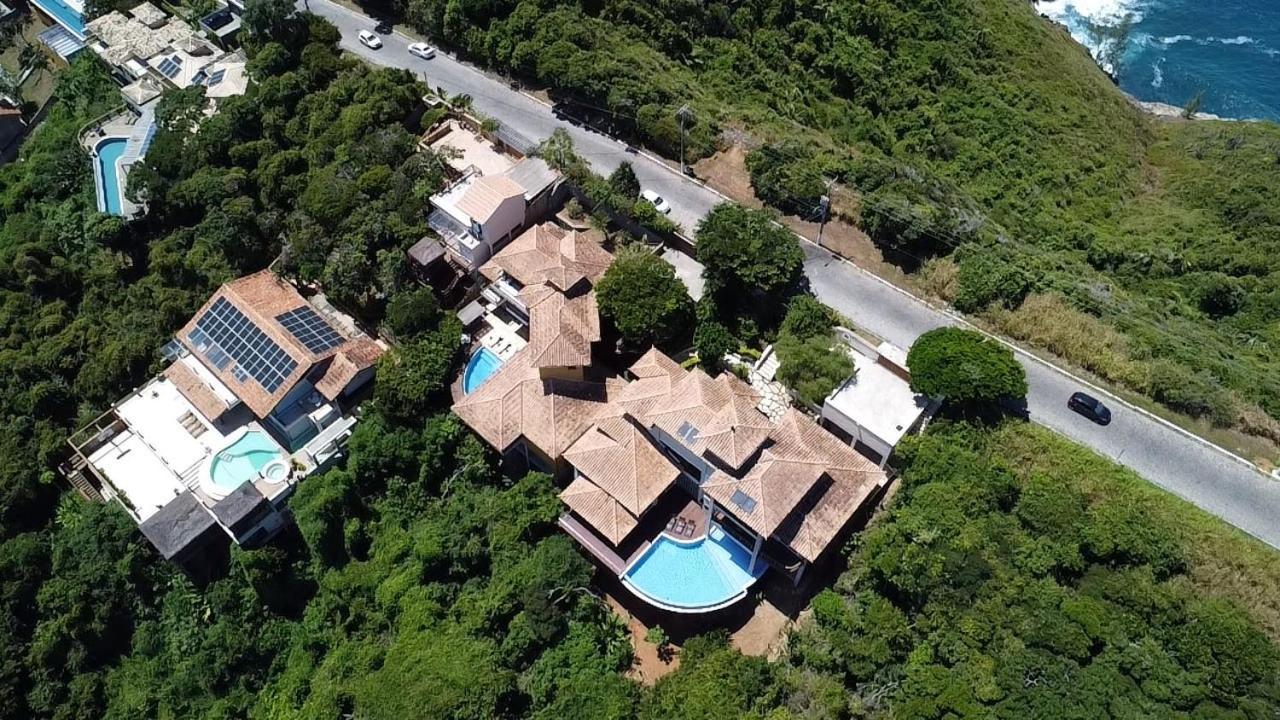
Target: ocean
[1227, 49]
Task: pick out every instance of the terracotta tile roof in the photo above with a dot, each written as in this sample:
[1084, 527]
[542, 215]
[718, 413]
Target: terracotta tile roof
[547, 254]
[561, 329]
[261, 298]
[486, 194]
[195, 390]
[517, 402]
[350, 359]
[655, 363]
[599, 510]
[805, 487]
[618, 457]
[714, 416]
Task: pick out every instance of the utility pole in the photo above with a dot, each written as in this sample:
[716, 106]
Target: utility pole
[824, 207]
[683, 113]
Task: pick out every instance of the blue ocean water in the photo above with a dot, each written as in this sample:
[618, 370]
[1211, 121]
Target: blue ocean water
[1229, 49]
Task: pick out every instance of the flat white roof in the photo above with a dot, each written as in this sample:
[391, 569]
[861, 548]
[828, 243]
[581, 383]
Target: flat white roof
[879, 400]
[146, 463]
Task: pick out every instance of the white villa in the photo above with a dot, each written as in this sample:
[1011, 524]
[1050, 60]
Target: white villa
[260, 391]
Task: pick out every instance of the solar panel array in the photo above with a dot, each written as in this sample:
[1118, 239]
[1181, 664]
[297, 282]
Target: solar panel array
[216, 77]
[223, 334]
[170, 66]
[310, 329]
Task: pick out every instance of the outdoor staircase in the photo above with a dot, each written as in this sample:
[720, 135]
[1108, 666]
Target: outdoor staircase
[191, 478]
[140, 137]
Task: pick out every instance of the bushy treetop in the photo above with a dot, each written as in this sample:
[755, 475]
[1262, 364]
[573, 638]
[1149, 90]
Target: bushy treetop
[965, 367]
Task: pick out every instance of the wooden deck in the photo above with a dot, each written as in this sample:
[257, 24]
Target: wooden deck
[592, 543]
[689, 522]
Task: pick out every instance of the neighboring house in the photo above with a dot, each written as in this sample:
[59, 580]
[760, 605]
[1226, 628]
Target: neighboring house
[492, 198]
[876, 408]
[680, 485]
[260, 391]
[223, 24]
[476, 216]
[147, 43]
[479, 214]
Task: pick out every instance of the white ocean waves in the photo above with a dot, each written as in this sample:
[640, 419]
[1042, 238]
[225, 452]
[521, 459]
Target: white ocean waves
[1092, 22]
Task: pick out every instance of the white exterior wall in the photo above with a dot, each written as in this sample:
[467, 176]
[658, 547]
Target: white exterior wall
[860, 434]
[501, 225]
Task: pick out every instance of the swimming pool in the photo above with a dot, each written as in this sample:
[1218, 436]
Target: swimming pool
[107, 155]
[698, 576]
[482, 364]
[252, 454]
[65, 13]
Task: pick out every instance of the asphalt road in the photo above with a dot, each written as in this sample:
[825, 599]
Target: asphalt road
[1184, 465]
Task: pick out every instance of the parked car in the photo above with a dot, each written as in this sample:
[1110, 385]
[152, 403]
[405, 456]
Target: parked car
[656, 200]
[369, 40]
[422, 50]
[1090, 407]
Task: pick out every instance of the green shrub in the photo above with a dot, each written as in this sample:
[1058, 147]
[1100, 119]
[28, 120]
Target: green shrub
[1195, 394]
[413, 312]
[965, 367]
[712, 341]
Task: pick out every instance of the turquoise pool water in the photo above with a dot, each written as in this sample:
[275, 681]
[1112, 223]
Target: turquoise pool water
[482, 364]
[67, 16]
[241, 461]
[109, 191]
[693, 577]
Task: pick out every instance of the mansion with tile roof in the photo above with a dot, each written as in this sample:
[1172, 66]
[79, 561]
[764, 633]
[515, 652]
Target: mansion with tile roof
[640, 444]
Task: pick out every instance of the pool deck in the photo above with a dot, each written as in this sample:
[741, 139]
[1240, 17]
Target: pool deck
[135, 130]
[663, 518]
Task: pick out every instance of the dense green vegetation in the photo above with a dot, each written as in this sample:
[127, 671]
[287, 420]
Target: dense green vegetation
[989, 591]
[643, 299]
[812, 360]
[975, 134]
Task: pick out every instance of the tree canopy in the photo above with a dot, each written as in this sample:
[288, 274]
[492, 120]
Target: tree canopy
[642, 297]
[744, 252]
[965, 367]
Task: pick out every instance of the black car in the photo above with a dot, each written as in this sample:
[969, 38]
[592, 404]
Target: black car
[1090, 407]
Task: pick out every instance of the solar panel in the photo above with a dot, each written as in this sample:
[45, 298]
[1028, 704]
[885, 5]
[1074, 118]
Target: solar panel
[688, 433]
[216, 77]
[223, 334]
[744, 501]
[310, 329]
[170, 66]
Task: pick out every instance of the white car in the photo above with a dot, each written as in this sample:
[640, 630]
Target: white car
[369, 40]
[656, 200]
[422, 50]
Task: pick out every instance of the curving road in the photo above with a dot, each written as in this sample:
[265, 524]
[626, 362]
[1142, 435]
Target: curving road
[1173, 459]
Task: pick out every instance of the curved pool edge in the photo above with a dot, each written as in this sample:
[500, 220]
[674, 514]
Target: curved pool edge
[211, 488]
[685, 609]
[473, 363]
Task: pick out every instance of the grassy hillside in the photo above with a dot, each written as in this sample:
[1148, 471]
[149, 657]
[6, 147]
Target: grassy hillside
[979, 136]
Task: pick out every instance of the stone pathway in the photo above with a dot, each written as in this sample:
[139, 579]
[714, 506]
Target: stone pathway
[775, 399]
